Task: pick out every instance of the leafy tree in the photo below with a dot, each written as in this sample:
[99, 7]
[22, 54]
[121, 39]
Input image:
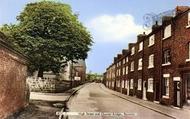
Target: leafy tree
[50, 34]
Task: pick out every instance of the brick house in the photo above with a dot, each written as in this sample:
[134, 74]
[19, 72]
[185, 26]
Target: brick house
[159, 62]
[13, 73]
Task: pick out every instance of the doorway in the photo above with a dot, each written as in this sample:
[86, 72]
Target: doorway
[177, 93]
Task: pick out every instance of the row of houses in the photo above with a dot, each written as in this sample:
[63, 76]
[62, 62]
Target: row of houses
[157, 66]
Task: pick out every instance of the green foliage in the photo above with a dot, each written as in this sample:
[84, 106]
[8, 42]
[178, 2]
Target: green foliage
[50, 34]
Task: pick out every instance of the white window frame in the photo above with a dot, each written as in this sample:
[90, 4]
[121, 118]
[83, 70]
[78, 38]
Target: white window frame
[140, 64]
[132, 66]
[113, 84]
[140, 46]
[126, 84]
[139, 84]
[151, 40]
[151, 61]
[123, 84]
[126, 70]
[127, 59]
[167, 85]
[188, 20]
[188, 60]
[118, 83]
[167, 31]
[124, 61]
[131, 84]
[150, 85]
[166, 57]
[132, 50]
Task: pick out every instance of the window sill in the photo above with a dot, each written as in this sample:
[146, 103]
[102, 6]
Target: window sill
[188, 26]
[150, 67]
[166, 38]
[166, 97]
[150, 45]
[166, 64]
[187, 60]
[132, 71]
[140, 69]
[139, 89]
[139, 50]
[150, 91]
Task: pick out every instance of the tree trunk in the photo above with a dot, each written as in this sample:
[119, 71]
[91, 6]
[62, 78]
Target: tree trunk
[40, 72]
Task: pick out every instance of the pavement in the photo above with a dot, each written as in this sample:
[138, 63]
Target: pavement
[45, 105]
[170, 111]
[107, 104]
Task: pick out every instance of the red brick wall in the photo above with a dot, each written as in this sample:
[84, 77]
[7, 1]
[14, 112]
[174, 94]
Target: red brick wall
[12, 82]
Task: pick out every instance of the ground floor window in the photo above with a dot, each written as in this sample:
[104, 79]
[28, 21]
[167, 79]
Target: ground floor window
[150, 85]
[166, 80]
[118, 84]
[123, 84]
[126, 85]
[113, 83]
[131, 84]
[139, 84]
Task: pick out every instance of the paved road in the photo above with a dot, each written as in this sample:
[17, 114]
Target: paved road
[92, 98]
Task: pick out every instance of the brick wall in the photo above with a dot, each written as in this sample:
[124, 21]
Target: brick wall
[13, 72]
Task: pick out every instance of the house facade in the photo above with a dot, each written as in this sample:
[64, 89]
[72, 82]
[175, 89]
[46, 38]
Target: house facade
[158, 64]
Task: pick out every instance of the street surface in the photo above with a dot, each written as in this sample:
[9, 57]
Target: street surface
[93, 98]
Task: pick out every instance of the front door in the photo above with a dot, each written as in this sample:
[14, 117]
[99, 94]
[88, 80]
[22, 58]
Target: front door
[144, 90]
[177, 95]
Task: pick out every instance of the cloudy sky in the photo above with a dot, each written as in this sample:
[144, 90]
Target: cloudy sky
[112, 23]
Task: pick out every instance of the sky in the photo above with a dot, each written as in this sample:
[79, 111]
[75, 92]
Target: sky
[112, 23]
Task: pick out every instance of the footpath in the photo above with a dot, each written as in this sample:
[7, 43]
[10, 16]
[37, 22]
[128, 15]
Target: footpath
[45, 105]
[175, 113]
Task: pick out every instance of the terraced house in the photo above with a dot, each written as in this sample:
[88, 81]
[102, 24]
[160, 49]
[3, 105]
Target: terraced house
[157, 66]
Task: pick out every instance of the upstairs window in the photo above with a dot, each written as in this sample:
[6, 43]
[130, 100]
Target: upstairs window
[167, 31]
[151, 40]
[140, 46]
[132, 66]
[126, 70]
[188, 55]
[140, 64]
[189, 19]
[132, 50]
[123, 61]
[166, 57]
[189, 50]
[123, 70]
[151, 61]
[127, 59]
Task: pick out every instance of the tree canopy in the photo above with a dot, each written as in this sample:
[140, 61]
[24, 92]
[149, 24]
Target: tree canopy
[50, 34]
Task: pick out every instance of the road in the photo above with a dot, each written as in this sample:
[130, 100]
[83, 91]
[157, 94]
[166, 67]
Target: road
[93, 98]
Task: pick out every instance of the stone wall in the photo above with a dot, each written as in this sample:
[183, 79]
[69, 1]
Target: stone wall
[49, 85]
[13, 72]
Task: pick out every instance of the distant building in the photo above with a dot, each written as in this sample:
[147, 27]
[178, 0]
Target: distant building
[77, 71]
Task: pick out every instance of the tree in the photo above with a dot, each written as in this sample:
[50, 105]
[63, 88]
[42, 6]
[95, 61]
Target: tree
[50, 34]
